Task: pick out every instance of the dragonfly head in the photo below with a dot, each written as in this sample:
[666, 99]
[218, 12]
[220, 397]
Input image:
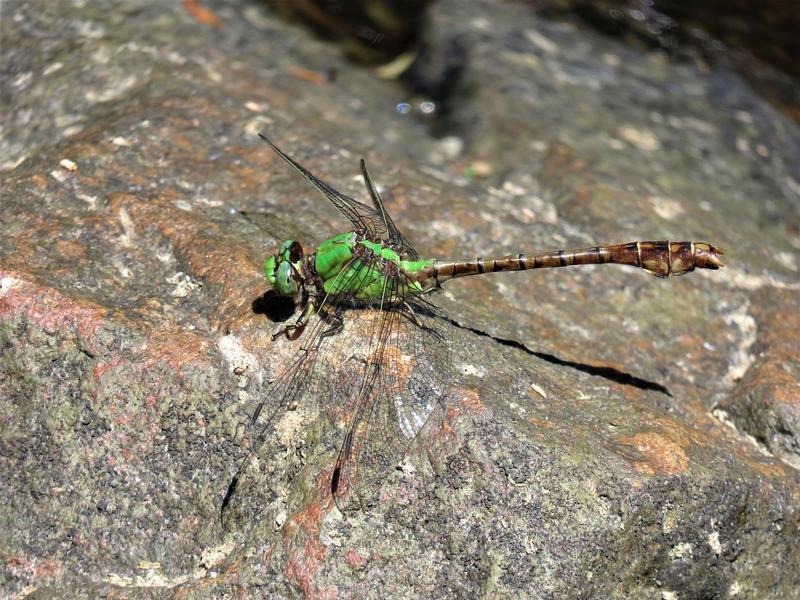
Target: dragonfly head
[284, 270]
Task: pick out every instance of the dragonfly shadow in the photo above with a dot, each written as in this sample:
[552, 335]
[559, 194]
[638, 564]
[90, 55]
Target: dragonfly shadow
[609, 373]
[276, 307]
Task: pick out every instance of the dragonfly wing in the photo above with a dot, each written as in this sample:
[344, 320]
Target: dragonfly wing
[403, 382]
[290, 385]
[394, 234]
[295, 385]
[241, 502]
[359, 214]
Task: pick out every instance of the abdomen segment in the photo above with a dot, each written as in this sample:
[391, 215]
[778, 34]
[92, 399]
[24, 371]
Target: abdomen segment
[662, 258]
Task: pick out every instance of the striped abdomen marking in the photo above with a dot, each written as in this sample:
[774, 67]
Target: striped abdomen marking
[659, 258]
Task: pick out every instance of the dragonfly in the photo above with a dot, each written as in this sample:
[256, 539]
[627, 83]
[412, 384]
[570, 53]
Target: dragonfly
[370, 289]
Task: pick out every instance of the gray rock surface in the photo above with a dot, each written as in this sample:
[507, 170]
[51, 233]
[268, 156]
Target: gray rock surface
[607, 434]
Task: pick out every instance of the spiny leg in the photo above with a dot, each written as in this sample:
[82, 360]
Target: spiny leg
[295, 330]
[410, 314]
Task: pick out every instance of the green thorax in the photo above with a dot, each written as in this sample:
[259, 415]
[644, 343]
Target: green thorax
[337, 260]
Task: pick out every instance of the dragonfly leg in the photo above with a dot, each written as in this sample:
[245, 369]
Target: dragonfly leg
[410, 314]
[335, 325]
[295, 330]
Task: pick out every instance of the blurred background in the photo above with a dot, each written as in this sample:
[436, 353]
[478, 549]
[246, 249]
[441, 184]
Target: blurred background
[759, 39]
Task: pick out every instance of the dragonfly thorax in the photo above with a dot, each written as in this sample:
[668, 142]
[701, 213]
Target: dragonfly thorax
[348, 264]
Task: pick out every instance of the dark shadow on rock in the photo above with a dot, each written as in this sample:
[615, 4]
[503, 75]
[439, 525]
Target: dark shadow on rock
[276, 307]
[609, 373]
[231, 490]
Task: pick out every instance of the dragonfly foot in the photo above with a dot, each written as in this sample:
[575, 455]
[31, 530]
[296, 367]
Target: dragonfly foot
[292, 332]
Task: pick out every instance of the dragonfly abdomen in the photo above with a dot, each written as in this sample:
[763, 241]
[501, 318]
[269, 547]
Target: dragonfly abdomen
[667, 258]
[661, 258]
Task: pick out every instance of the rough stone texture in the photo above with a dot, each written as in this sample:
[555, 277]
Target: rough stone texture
[766, 402]
[607, 435]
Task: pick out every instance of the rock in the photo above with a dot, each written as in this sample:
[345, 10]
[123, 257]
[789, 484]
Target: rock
[584, 447]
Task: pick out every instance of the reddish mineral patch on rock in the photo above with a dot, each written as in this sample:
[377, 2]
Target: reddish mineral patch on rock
[303, 566]
[470, 403]
[49, 309]
[353, 558]
[178, 348]
[663, 456]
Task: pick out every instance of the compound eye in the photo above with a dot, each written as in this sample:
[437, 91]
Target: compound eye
[295, 252]
[287, 279]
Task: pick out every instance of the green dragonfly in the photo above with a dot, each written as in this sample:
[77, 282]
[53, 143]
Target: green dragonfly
[372, 347]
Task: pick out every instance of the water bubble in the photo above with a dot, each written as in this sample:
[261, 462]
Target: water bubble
[403, 108]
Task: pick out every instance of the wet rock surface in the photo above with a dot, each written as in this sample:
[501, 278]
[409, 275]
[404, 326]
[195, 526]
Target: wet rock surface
[607, 434]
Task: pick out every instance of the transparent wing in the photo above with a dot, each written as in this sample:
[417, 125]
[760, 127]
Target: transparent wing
[294, 386]
[403, 382]
[392, 232]
[359, 214]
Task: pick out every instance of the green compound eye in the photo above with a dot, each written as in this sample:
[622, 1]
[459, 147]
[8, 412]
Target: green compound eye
[284, 281]
[285, 249]
[283, 271]
[269, 270]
